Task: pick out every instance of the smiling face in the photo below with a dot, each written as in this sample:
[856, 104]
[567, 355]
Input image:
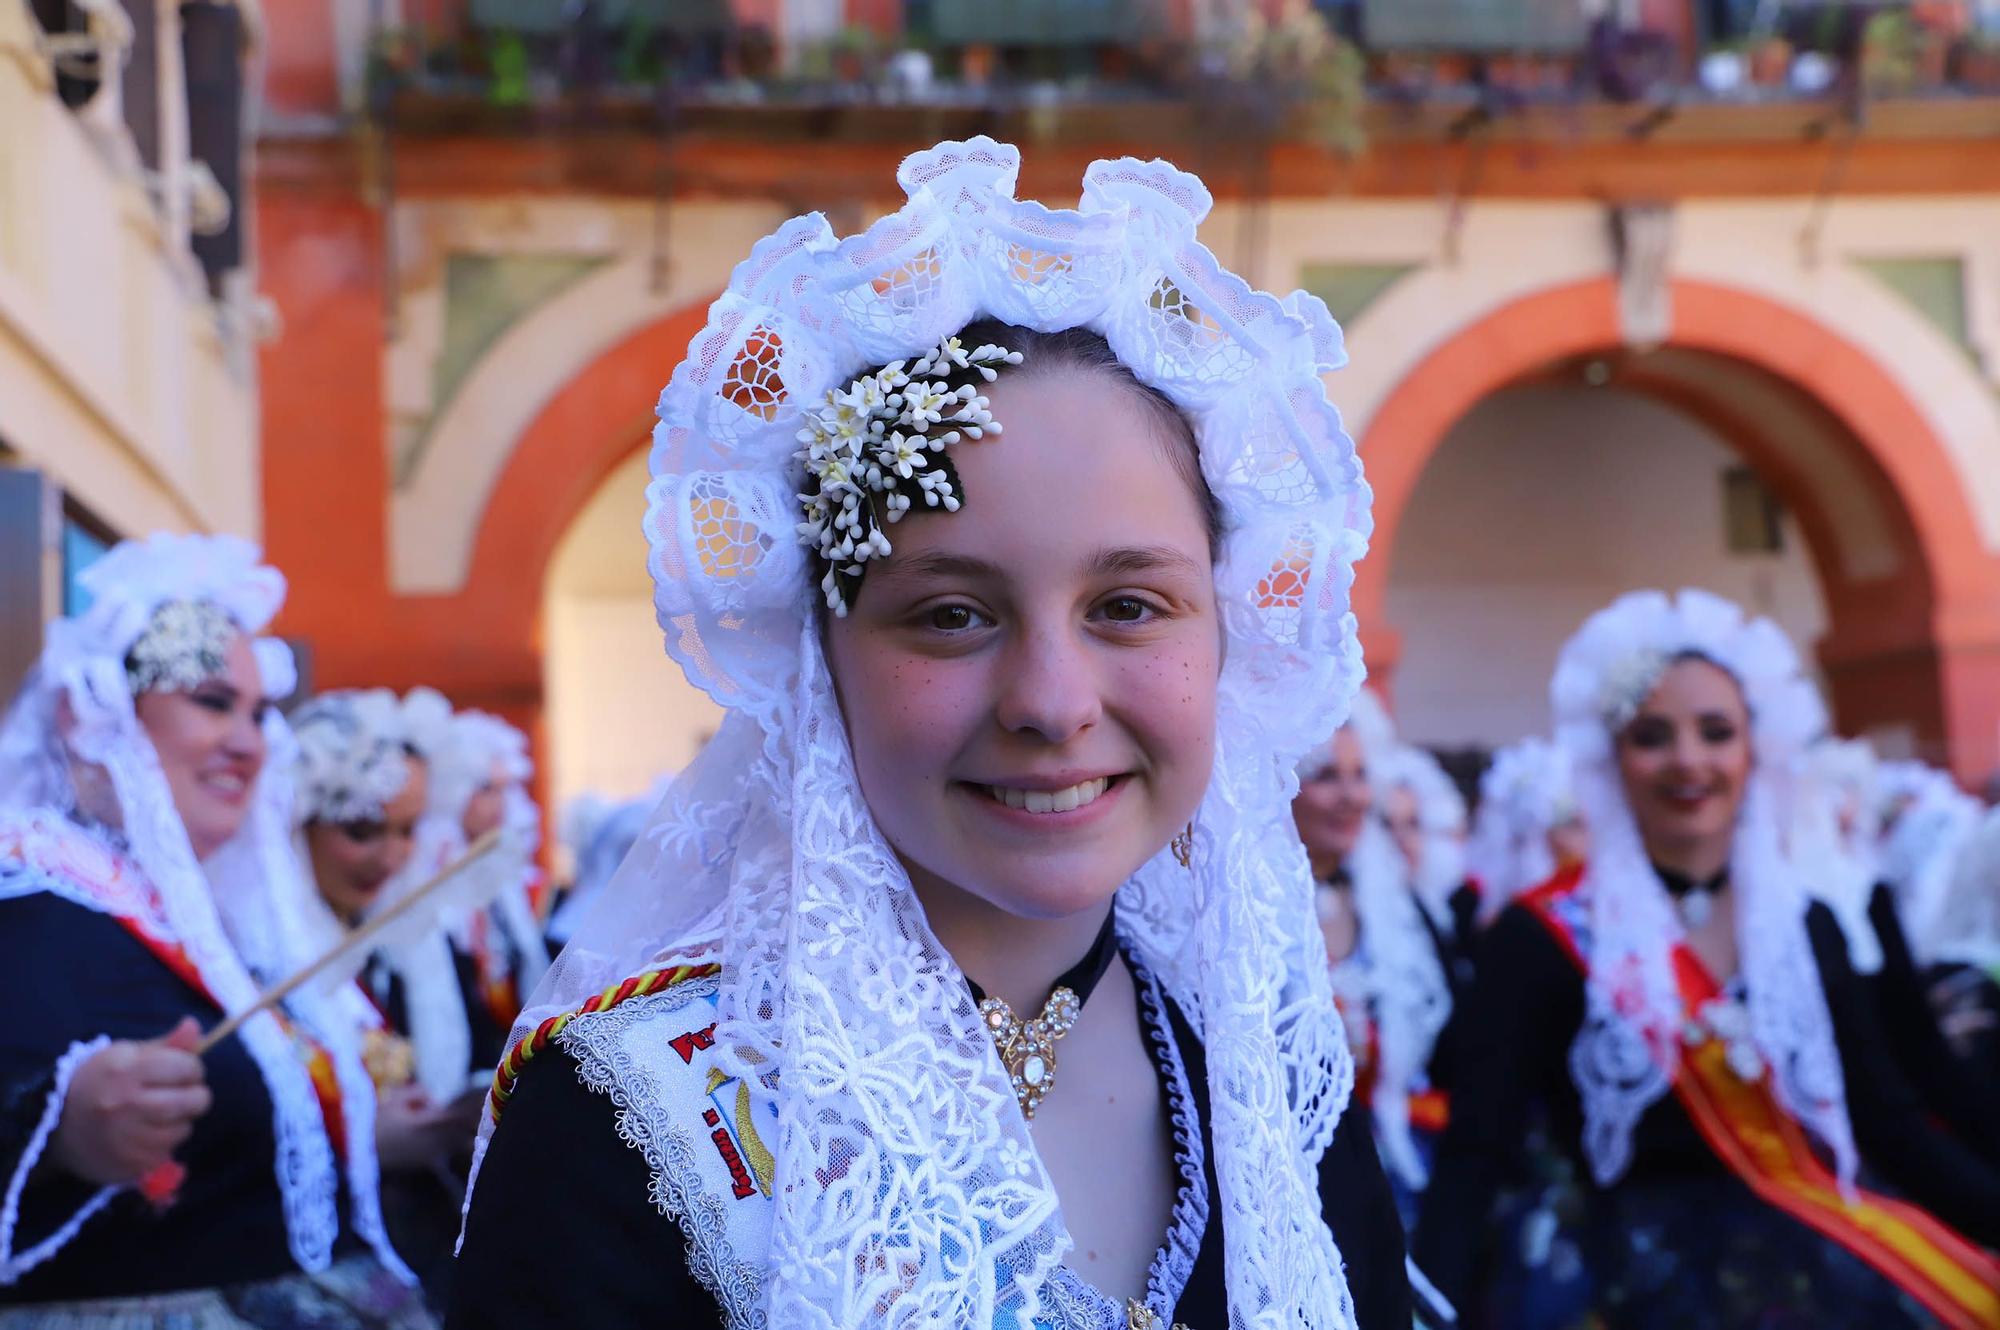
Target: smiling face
[352, 860]
[1683, 761]
[1335, 801]
[210, 741]
[1029, 683]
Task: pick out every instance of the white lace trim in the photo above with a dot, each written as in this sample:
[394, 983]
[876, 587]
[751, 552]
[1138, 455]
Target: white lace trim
[14, 1264]
[644, 1123]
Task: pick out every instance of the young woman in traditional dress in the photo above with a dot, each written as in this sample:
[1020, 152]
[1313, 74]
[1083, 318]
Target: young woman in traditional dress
[364, 778]
[145, 867]
[1391, 966]
[969, 976]
[1693, 1027]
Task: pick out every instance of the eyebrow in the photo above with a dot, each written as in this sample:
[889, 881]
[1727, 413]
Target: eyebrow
[1143, 559]
[938, 565]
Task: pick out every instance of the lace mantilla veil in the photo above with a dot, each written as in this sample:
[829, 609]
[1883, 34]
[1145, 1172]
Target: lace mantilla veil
[909, 1190]
[1395, 966]
[231, 914]
[1625, 1052]
[1524, 795]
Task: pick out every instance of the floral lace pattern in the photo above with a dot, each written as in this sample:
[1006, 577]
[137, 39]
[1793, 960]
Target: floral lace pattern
[892, 1088]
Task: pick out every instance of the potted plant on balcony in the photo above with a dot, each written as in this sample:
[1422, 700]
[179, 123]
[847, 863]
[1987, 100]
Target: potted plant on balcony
[1894, 54]
[1770, 60]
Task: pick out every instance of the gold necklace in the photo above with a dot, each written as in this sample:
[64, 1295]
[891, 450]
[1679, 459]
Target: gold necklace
[1028, 1048]
[1138, 1316]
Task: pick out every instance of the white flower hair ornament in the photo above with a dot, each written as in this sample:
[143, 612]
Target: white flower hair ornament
[1625, 1053]
[777, 868]
[873, 444]
[352, 760]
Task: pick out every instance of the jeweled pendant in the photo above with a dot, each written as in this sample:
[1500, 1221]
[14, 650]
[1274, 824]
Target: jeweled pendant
[1696, 908]
[1028, 1050]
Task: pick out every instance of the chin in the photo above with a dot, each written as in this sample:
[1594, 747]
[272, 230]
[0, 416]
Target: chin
[1045, 890]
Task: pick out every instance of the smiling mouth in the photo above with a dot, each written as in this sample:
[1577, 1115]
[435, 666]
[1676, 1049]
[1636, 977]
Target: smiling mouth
[225, 784]
[1065, 800]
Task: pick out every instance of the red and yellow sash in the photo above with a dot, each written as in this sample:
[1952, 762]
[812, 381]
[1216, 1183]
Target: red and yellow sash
[1762, 1144]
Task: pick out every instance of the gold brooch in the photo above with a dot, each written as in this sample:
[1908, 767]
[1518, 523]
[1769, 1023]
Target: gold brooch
[1028, 1049]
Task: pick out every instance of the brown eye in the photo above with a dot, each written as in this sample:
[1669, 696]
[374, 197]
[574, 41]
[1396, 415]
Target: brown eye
[361, 833]
[1126, 609]
[950, 618]
[1718, 732]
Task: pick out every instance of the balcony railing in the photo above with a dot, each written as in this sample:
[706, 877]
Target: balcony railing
[1498, 54]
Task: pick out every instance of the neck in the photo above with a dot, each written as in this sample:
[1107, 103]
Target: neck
[1326, 864]
[1014, 959]
[1698, 860]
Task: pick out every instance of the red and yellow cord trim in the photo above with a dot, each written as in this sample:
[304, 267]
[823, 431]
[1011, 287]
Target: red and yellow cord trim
[639, 985]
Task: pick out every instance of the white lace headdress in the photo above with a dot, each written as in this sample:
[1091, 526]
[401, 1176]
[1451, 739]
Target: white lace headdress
[351, 761]
[1395, 965]
[226, 913]
[478, 748]
[1624, 1055]
[1967, 927]
[765, 857]
[1441, 817]
[355, 744]
[1524, 795]
[1930, 820]
[1833, 834]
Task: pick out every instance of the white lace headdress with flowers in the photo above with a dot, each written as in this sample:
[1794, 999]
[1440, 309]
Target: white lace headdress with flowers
[226, 912]
[1524, 795]
[479, 748]
[935, 1209]
[1626, 1051]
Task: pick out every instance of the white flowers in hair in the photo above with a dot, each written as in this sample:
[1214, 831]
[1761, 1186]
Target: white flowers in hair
[1628, 682]
[184, 645]
[875, 438]
[351, 756]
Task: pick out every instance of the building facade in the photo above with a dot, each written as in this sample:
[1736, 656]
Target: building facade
[128, 398]
[1626, 305]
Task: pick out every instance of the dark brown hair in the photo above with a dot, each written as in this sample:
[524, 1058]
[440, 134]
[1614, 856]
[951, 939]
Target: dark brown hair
[1084, 350]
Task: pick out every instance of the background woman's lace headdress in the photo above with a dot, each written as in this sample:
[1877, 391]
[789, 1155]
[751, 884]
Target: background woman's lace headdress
[935, 1209]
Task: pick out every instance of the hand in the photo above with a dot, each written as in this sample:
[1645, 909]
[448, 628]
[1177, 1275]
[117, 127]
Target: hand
[130, 1106]
[412, 1132]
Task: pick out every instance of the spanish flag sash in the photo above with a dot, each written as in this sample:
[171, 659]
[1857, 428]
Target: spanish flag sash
[1762, 1144]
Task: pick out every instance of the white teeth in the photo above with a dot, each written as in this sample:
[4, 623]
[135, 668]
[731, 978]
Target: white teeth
[1051, 801]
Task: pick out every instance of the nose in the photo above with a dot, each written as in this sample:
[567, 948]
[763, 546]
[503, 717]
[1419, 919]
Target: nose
[245, 742]
[1688, 751]
[1051, 688]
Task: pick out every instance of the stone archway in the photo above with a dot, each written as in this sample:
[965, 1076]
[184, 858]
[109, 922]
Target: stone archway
[1913, 597]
